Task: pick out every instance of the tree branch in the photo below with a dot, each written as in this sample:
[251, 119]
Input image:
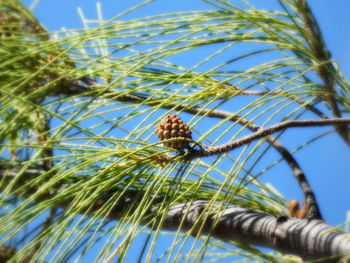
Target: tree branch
[309, 239]
[322, 55]
[261, 133]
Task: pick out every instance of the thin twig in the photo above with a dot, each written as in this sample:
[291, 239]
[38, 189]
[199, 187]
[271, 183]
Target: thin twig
[263, 132]
[308, 106]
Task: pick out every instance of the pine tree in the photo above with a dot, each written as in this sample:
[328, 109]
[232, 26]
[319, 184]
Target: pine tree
[107, 143]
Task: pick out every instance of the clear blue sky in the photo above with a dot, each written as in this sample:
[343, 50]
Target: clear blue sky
[326, 162]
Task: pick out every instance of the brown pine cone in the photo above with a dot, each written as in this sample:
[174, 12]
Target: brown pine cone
[173, 127]
[293, 207]
[295, 211]
[302, 213]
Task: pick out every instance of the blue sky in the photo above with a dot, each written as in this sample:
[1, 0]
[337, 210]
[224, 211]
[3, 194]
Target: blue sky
[326, 162]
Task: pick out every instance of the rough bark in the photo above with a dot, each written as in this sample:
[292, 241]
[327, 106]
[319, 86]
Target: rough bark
[309, 239]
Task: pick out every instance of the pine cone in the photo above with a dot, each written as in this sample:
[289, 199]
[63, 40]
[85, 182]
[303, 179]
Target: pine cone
[173, 127]
[295, 211]
[293, 207]
[302, 213]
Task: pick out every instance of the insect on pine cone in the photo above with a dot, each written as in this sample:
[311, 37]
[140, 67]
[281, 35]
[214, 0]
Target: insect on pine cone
[172, 127]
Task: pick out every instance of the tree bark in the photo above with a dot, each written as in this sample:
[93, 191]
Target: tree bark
[309, 239]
